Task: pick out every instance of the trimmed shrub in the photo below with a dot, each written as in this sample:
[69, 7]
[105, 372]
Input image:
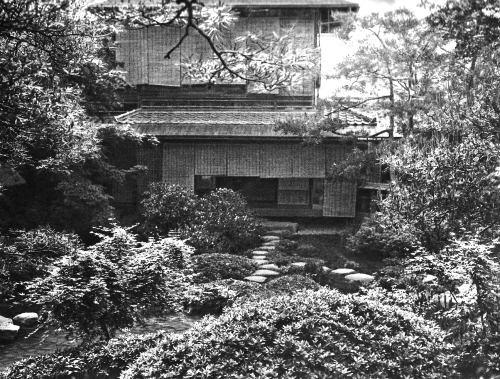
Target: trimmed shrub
[96, 360]
[291, 284]
[211, 298]
[312, 334]
[210, 267]
[224, 224]
[373, 239]
[167, 207]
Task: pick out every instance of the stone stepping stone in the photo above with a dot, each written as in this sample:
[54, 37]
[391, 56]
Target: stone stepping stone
[429, 279]
[267, 248]
[326, 269]
[260, 252]
[26, 319]
[263, 272]
[269, 238]
[270, 266]
[271, 243]
[8, 331]
[261, 262]
[298, 264]
[343, 271]
[259, 257]
[364, 278]
[256, 278]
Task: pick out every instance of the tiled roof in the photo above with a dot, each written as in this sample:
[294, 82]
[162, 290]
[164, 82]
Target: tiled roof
[244, 3]
[223, 123]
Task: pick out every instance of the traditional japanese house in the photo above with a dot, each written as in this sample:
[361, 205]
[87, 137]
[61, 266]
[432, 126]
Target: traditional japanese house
[224, 135]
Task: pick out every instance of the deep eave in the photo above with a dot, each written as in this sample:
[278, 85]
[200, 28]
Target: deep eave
[195, 123]
[253, 4]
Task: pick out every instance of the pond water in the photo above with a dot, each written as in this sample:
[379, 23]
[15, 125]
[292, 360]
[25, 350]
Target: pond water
[47, 342]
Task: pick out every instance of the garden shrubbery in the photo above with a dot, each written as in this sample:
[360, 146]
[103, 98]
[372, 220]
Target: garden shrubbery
[220, 222]
[211, 267]
[309, 334]
[113, 284]
[375, 239]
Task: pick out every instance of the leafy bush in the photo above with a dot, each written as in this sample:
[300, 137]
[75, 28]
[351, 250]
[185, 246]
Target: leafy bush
[291, 284]
[94, 360]
[309, 334]
[224, 224]
[218, 223]
[210, 267]
[113, 284]
[211, 298]
[29, 253]
[373, 239]
[168, 207]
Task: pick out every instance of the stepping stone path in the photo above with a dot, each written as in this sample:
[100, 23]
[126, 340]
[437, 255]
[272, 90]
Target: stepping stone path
[343, 271]
[267, 271]
[364, 278]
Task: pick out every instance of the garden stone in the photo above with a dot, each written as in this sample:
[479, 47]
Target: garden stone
[259, 257]
[267, 248]
[365, 278]
[298, 264]
[8, 331]
[269, 238]
[261, 262]
[270, 266]
[26, 319]
[343, 271]
[260, 252]
[266, 273]
[326, 269]
[271, 243]
[429, 279]
[256, 278]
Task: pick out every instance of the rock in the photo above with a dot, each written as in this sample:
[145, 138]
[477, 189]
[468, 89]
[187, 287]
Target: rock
[260, 252]
[26, 319]
[266, 273]
[259, 257]
[271, 243]
[365, 278]
[261, 262]
[267, 248]
[298, 264]
[256, 278]
[326, 269]
[343, 271]
[8, 331]
[429, 279]
[271, 266]
[269, 238]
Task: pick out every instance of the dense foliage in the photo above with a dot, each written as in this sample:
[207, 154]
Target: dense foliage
[113, 284]
[28, 254]
[210, 267]
[220, 222]
[309, 334]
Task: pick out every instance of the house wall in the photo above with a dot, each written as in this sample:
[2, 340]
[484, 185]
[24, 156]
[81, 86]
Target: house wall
[296, 167]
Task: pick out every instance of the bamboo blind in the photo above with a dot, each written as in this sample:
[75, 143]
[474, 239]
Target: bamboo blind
[276, 161]
[211, 159]
[178, 164]
[375, 174]
[339, 198]
[293, 197]
[151, 157]
[302, 31]
[243, 160]
[308, 162]
[293, 184]
[163, 71]
[194, 48]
